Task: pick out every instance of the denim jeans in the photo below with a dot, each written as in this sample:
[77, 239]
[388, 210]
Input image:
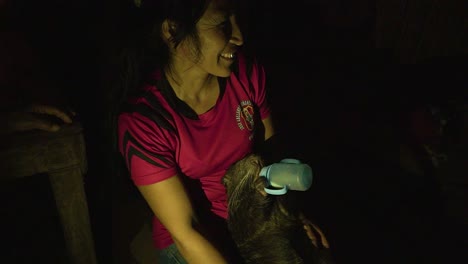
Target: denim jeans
[170, 255]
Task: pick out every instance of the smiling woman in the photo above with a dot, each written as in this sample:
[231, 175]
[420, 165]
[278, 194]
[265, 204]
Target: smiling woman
[197, 106]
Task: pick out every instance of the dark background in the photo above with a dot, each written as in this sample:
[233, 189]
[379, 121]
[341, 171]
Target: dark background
[340, 74]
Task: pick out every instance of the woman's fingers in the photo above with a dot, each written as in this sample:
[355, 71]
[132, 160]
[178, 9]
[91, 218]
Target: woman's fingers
[43, 125]
[24, 121]
[51, 110]
[311, 235]
[315, 234]
[324, 240]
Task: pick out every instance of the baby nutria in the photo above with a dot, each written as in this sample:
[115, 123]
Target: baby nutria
[266, 228]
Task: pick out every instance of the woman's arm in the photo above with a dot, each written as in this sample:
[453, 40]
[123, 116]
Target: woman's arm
[41, 117]
[171, 204]
[269, 128]
[270, 149]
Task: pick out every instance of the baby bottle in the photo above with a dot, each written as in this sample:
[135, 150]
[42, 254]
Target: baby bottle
[288, 174]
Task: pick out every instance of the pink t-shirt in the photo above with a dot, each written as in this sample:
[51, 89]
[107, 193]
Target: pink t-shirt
[160, 136]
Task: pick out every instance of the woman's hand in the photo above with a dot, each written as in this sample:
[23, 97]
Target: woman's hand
[315, 234]
[42, 117]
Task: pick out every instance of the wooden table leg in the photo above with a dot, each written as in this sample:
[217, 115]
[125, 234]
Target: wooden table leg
[70, 199]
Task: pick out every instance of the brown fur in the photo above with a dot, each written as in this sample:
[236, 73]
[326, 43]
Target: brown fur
[263, 226]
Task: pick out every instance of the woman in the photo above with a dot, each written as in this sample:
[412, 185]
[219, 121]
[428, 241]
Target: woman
[202, 107]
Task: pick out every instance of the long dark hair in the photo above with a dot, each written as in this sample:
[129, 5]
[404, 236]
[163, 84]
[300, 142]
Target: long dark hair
[136, 48]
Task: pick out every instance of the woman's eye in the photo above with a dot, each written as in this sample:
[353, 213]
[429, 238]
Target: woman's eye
[223, 24]
[225, 27]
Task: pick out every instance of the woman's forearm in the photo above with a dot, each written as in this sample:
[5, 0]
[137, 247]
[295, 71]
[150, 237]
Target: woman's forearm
[198, 250]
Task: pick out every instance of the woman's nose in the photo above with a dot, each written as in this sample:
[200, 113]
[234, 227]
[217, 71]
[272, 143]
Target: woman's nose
[236, 35]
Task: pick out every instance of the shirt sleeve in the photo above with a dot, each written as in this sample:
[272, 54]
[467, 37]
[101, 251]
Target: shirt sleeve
[259, 89]
[252, 74]
[145, 148]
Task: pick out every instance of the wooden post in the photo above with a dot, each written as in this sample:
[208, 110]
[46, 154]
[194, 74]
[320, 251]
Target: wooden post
[61, 155]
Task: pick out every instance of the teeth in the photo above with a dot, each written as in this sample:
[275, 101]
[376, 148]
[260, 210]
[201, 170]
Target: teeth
[228, 55]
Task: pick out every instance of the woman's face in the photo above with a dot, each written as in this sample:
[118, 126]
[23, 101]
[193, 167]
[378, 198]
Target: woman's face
[219, 37]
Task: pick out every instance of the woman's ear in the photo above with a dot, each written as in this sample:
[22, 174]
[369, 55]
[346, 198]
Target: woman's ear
[168, 29]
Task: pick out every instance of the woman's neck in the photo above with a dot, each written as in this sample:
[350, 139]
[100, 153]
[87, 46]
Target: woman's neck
[198, 89]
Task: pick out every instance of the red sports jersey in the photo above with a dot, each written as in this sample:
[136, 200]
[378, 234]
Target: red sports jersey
[161, 136]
